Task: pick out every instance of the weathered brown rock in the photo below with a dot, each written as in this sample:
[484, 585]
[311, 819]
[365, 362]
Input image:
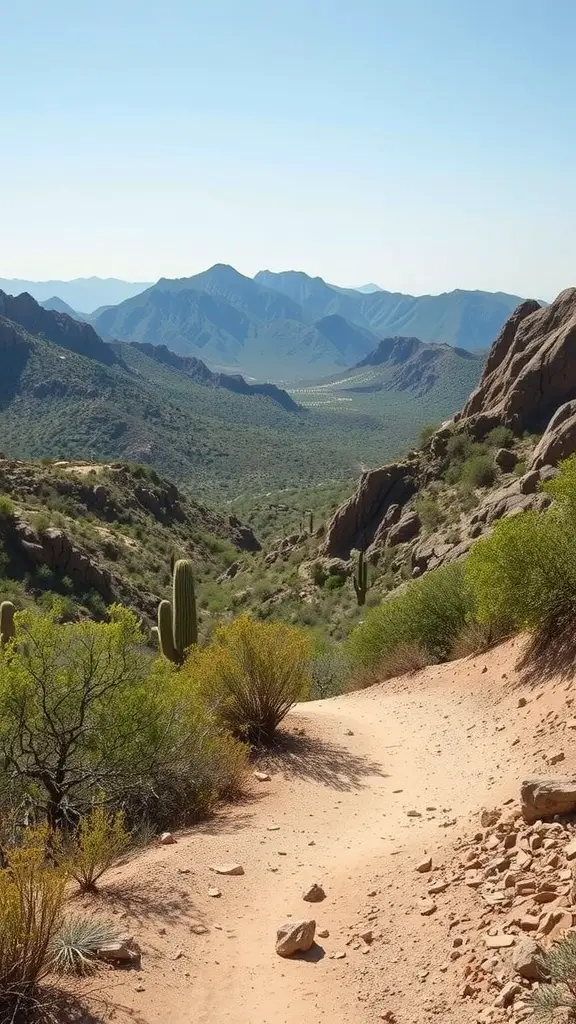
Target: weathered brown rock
[355, 524]
[295, 937]
[505, 459]
[526, 959]
[543, 798]
[558, 440]
[529, 372]
[530, 482]
[405, 529]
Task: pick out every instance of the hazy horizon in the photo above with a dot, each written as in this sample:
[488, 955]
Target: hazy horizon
[423, 147]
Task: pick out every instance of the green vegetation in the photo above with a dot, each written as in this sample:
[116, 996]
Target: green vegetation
[555, 1000]
[88, 852]
[428, 613]
[251, 675]
[526, 571]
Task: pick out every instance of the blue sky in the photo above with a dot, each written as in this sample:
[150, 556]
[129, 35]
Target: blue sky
[422, 144]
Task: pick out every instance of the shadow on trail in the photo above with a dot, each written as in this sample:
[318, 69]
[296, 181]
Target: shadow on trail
[229, 818]
[86, 1006]
[150, 900]
[317, 760]
[550, 651]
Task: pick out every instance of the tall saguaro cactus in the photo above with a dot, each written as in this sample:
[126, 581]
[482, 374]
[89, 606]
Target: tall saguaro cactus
[7, 610]
[177, 623]
[361, 579]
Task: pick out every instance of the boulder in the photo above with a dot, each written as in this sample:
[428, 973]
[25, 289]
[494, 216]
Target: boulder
[505, 459]
[543, 798]
[526, 959]
[529, 483]
[295, 937]
[558, 440]
[405, 529]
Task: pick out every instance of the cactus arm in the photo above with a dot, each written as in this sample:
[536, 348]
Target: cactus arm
[165, 635]
[7, 610]
[361, 579]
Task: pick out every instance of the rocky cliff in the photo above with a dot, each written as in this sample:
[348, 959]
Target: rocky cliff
[529, 384]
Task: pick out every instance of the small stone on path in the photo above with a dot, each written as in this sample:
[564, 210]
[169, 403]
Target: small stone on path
[167, 839]
[424, 866]
[315, 894]
[227, 869]
[295, 937]
[262, 776]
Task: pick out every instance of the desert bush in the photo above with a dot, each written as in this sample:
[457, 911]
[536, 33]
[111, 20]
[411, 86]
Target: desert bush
[525, 572]
[478, 471]
[500, 437]
[334, 583]
[74, 947]
[402, 660]
[31, 902]
[329, 671]
[556, 1001]
[251, 675]
[100, 839]
[7, 507]
[428, 613]
[431, 515]
[426, 433]
[85, 710]
[476, 637]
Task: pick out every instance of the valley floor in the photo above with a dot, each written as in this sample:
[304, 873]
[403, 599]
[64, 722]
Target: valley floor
[444, 744]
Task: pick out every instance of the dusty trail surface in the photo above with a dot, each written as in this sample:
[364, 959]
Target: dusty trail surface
[337, 811]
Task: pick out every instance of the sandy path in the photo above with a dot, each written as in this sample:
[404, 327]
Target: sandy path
[336, 812]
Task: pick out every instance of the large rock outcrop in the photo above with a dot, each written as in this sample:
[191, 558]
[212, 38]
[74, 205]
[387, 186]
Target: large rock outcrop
[531, 369]
[559, 438]
[360, 521]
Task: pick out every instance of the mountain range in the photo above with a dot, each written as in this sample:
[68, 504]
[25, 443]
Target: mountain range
[84, 294]
[289, 326]
[67, 393]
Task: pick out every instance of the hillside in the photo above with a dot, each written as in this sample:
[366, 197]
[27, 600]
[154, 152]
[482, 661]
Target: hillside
[466, 319]
[84, 294]
[65, 393]
[439, 376]
[94, 533]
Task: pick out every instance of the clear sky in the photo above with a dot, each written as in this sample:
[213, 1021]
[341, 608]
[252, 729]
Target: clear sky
[421, 144]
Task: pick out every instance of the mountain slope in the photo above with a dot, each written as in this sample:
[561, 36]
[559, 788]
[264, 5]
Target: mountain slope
[83, 293]
[58, 305]
[235, 323]
[438, 376]
[65, 393]
[468, 319]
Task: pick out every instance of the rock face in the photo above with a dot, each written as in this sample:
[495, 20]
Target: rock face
[559, 438]
[407, 528]
[357, 523]
[505, 460]
[295, 937]
[530, 370]
[543, 798]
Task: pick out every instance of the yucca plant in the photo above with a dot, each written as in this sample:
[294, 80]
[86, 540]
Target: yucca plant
[74, 948]
[558, 997]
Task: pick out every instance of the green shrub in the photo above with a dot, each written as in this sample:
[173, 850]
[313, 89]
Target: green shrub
[85, 710]
[478, 471]
[426, 433]
[431, 515]
[500, 437]
[7, 507]
[100, 839]
[329, 671]
[251, 675]
[526, 571]
[334, 583]
[428, 612]
[31, 902]
[556, 1000]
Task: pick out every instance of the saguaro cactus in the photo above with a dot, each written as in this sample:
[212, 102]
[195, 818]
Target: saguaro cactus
[7, 610]
[177, 623]
[310, 521]
[361, 579]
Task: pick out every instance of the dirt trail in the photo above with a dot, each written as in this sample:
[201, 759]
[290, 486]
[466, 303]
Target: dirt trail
[442, 744]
